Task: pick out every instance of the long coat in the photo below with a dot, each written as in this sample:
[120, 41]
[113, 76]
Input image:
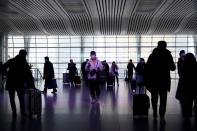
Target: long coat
[18, 72]
[48, 70]
[157, 69]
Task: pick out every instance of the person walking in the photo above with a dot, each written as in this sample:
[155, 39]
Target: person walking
[114, 72]
[188, 92]
[18, 75]
[94, 66]
[72, 71]
[49, 75]
[158, 80]
[140, 70]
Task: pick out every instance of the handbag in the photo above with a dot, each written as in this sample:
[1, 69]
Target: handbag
[51, 84]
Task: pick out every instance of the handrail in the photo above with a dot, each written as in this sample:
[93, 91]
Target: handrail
[36, 74]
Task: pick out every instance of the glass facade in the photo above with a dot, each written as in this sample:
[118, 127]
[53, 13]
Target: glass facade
[61, 49]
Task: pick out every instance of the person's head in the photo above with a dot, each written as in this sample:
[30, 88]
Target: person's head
[71, 60]
[23, 53]
[142, 60]
[130, 61]
[162, 45]
[87, 60]
[93, 55]
[46, 58]
[113, 63]
[182, 53]
[189, 59]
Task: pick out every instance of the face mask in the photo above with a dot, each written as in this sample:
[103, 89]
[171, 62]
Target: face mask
[93, 57]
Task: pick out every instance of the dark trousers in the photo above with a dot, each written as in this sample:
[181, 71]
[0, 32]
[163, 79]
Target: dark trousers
[187, 105]
[130, 76]
[72, 78]
[21, 100]
[47, 82]
[163, 101]
[187, 109]
[115, 79]
[94, 89]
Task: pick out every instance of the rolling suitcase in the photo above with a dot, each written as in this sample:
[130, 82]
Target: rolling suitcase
[66, 79]
[133, 84]
[77, 80]
[110, 81]
[141, 104]
[35, 102]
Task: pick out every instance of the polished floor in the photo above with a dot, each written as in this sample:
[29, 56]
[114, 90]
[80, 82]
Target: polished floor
[70, 110]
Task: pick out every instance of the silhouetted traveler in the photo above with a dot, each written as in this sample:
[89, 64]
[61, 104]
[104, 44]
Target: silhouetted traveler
[114, 72]
[140, 70]
[188, 93]
[93, 67]
[18, 74]
[106, 66]
[84, 72]
[180, 62]
[130, 67]
[49, 75]
[72, 71]
[158, 80]
[180, 72]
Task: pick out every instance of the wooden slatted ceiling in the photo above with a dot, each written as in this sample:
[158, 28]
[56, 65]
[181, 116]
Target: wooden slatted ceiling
[98, 17]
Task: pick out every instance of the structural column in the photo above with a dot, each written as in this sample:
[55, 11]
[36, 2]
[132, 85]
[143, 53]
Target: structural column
[1, 57]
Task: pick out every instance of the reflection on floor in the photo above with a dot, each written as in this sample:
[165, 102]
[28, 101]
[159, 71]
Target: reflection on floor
[70, 110]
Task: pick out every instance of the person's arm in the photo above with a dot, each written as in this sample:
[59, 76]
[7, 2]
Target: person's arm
[179, 67]
[100, 66]
[5, 67]
[87, 67]
[134, 67]
[52, 71]
[68, 68]
[44, 71]
[172, 64]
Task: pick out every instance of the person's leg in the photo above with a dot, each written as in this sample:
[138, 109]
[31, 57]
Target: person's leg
[154, 100]
[186, 109]
[163, 103]
[92, 91]
[45, 85]
[12, 100]
[113, 77]
[195, 108]
[117, 80]
[97, 89]
[21, 101]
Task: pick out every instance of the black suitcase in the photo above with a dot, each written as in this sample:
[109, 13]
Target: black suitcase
[66, 79]
[77, 80]
[110, 81]
[133, 84]
[35, 102]
[141, 104]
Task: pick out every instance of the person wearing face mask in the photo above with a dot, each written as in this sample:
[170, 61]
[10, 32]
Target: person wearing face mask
[93, 67]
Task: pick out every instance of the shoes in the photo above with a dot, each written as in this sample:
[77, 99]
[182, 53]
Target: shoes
[162, 121]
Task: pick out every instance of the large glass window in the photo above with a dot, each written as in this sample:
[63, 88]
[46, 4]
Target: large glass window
[120, 49]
